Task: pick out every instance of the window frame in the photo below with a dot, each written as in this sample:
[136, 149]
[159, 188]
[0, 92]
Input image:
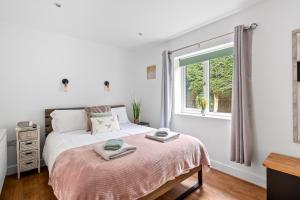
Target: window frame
[206, 70]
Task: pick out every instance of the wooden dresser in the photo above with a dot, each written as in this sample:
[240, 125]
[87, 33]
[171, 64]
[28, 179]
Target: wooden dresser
[283, 177]
[28, 149]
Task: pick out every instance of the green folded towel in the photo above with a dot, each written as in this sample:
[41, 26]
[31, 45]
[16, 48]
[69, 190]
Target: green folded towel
[112, 148]
[161, 133]
[113, 144]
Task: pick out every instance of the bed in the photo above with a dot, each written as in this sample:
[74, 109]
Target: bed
[130, 177]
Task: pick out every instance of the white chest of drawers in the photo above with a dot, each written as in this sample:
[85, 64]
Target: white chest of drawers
[3, 157]
[28, 149]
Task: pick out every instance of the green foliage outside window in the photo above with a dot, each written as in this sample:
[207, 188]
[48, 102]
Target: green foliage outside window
[195, 82]
[220, 84]
[221, 76]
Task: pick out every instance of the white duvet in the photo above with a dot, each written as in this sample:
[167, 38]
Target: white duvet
[56, 143]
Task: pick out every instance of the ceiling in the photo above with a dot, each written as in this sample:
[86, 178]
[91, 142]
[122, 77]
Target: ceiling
[118, 22]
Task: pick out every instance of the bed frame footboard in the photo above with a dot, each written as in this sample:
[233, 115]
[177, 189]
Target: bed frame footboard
[171, 184]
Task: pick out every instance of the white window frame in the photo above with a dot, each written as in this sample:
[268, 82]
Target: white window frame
[206, 65]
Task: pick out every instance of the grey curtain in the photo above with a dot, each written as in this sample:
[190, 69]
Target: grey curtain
[242, 129]
[167, 90]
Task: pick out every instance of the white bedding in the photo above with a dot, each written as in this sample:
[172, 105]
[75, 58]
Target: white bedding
[57, 143]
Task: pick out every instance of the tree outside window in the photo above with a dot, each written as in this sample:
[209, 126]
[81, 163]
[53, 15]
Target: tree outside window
[219, 80]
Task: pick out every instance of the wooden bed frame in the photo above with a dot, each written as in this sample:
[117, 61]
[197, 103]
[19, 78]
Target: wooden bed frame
[162, 189]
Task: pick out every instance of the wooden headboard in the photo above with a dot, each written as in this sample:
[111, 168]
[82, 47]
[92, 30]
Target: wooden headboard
[48, 118]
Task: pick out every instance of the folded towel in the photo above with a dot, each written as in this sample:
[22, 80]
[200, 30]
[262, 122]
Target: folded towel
[164, 129]
[169, 137]
[113, 144]
[108, 155]
[161, 133]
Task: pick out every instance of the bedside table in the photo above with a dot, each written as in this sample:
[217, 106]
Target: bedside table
[144, 124]
[28, 149]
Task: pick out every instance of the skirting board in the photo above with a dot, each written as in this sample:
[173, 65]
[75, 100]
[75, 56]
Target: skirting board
[233, 171]
[12, 169]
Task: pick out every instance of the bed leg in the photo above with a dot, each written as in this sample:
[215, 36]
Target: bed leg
[193, 188]
[200, 177]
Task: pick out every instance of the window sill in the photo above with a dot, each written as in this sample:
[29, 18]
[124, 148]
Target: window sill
[225, 117]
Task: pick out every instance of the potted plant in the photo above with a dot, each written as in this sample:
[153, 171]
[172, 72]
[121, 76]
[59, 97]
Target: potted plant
[203, 104]
[136, 108]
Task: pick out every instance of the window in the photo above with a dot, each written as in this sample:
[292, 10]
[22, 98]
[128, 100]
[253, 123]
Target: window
[207, 74]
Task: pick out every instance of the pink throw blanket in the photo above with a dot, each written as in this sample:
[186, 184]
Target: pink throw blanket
[81, 174]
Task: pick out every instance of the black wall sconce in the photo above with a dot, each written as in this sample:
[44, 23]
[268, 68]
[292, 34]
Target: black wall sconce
[106, 85]
[65, 82]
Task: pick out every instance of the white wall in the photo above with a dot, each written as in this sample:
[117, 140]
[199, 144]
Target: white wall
[272, 87]
[32, 65]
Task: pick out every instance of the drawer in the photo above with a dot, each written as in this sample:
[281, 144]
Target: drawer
[28, 165]
[28, 155]
[28, 145]
[28, 135]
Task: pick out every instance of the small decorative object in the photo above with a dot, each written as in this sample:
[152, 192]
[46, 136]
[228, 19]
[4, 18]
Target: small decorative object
[106, 85]
[136, 107]
[203, 104]
[151, 72]
[25, 124]
[65, 82]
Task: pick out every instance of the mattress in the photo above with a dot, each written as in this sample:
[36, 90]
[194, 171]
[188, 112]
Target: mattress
[56, 143]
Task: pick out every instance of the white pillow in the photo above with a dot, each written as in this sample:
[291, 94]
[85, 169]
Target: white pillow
[68, 120]
[105, 124]
[121, 113]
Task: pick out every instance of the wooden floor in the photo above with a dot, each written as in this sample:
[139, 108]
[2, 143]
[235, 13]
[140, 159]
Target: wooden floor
[217, 186]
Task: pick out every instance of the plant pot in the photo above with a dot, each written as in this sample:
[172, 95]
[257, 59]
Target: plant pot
[136, 121]
[203, 112]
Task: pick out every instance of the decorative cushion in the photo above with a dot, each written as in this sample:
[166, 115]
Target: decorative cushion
[105, 124]
[121, 113]
[68, 120]
[104, 114]
[95, 109]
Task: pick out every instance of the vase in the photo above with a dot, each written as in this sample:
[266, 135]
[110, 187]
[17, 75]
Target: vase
[203, 112]
[136, 121]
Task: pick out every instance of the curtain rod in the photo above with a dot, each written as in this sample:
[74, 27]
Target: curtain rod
[251, 27]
